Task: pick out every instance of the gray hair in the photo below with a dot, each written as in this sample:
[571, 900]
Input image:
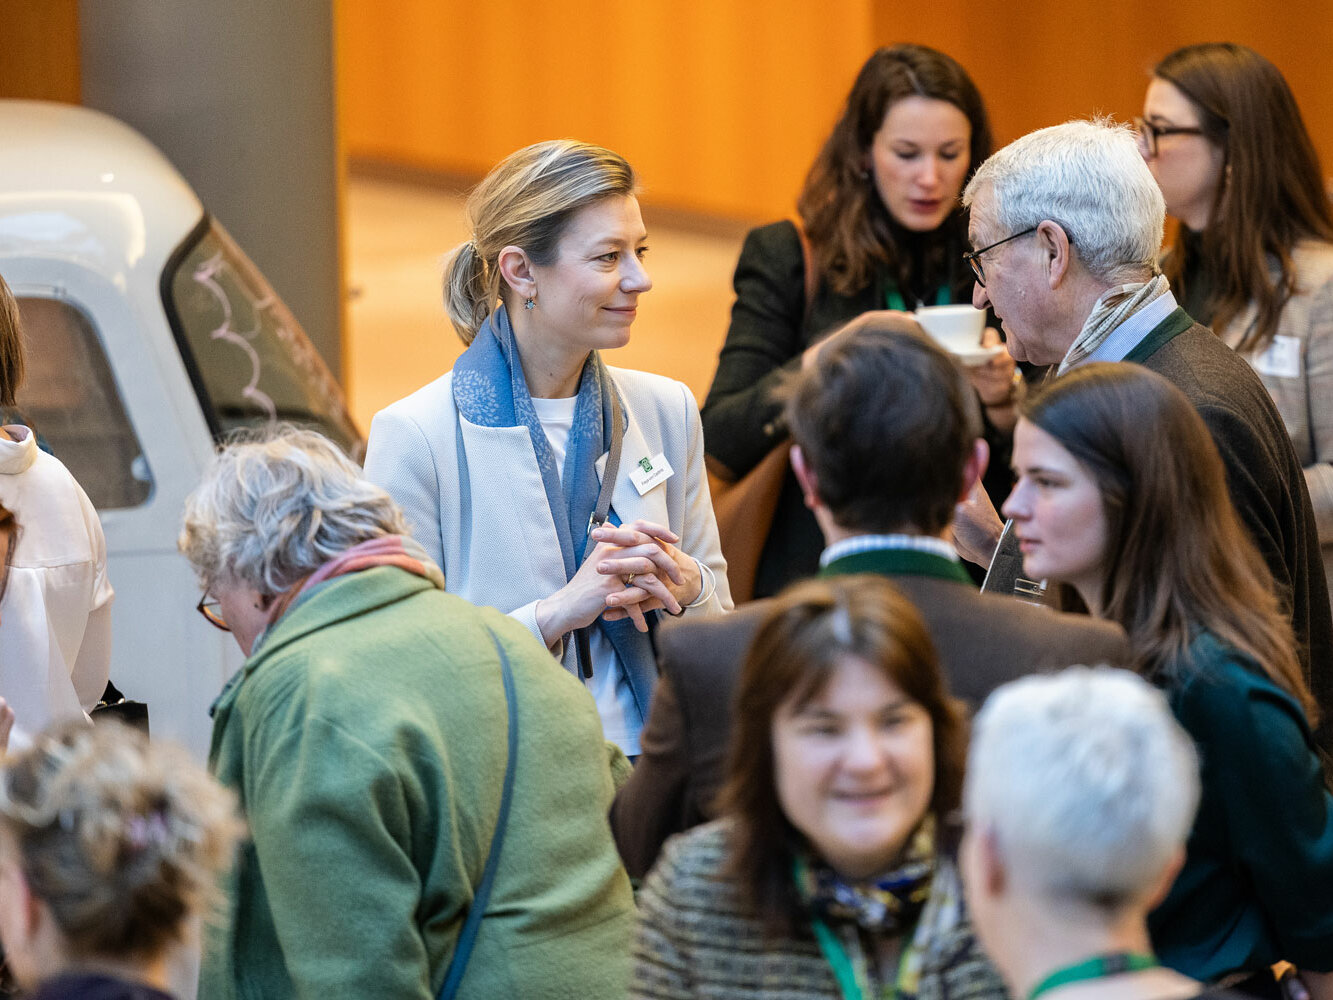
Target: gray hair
[1089, 177]
[274, 508]
[1086, 782]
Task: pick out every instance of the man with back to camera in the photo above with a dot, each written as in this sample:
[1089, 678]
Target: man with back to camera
[1066, 224]
[886, 430]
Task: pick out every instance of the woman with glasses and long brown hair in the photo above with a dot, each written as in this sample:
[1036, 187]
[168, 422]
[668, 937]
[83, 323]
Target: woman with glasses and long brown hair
[881, 227]
[1253, 257]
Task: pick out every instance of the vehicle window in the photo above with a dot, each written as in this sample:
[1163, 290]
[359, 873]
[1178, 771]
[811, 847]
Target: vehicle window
[250, 361]
[70, 400]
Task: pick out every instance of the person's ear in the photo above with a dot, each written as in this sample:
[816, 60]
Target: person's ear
[517, 272]
[974, 468]
[994, 875]
[1056, 251]
[805, 476]
[1166, 879]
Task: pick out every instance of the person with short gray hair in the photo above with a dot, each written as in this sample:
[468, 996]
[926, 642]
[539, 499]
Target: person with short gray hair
[1080, 793]
[1071, 174]
[1065, 226]
[370, 736]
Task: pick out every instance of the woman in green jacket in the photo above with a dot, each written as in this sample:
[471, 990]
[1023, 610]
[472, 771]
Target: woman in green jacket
[366, 736]
[1122, 496]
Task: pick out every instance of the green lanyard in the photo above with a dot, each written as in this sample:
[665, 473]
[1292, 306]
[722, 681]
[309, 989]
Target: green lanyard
[895, 298]
[844, 971]
[1098, 967]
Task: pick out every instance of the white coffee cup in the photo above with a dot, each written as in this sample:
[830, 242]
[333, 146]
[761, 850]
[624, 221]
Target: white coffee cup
[955, 328]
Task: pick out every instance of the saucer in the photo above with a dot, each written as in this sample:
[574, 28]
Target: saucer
[978, 355]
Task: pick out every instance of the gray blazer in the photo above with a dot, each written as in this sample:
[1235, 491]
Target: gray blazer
[1304, 394]
[474, 496]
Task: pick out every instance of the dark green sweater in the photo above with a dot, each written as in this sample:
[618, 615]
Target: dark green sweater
[1257, 885]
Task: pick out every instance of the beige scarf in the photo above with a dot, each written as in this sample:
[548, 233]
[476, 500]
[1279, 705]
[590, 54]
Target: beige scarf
[1114, 307]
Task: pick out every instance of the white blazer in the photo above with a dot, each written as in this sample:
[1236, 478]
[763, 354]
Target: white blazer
[482, 514]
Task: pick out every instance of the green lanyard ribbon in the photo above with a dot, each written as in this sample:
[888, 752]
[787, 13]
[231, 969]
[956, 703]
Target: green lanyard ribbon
[1098, 967]
[895, 300]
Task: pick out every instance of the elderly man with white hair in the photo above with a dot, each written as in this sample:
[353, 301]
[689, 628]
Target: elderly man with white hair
[1081, 789]
[1066, 223]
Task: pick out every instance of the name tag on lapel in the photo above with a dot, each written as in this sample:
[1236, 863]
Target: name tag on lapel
[648, 472]
[1281, 358]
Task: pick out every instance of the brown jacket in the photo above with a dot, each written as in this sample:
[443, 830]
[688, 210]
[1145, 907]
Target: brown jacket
[983, 640]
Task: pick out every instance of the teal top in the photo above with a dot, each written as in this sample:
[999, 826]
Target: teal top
[1257, 885]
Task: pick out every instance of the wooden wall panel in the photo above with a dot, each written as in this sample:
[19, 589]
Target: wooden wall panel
[1043, 62]
[722, 105]
[41, 50]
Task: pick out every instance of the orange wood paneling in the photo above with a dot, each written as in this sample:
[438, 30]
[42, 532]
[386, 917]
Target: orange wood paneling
[722, 105]
[41, 50]
[1042, 62]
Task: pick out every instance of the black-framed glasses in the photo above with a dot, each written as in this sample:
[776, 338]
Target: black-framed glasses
[1150, 133]
[973, 257]
[211, 609]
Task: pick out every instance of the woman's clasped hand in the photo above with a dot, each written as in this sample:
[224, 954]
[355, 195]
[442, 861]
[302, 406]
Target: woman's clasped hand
[634, 569]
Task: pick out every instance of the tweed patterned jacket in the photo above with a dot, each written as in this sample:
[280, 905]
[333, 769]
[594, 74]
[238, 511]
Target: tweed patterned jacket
[699, 939]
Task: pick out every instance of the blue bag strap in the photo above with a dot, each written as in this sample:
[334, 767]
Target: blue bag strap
[467, 937]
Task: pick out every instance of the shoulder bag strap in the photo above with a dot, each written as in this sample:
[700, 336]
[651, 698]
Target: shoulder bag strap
[808, 260]
[467, 937]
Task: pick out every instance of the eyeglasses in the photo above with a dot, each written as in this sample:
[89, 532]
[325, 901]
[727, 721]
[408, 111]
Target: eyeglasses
[1149, 134]
[211, 609]
[973, 257]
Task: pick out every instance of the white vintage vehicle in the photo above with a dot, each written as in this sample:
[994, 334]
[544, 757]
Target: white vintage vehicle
[149, 336]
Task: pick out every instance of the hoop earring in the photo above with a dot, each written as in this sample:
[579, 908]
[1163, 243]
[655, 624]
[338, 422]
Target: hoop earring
[529, 304]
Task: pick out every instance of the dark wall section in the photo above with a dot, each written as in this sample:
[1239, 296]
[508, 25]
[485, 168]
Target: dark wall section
[239, 94]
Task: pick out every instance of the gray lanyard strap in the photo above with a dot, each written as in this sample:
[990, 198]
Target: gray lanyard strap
[598, 517]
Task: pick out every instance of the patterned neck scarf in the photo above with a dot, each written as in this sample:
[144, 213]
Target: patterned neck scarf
[1114, 307]
[886, 904]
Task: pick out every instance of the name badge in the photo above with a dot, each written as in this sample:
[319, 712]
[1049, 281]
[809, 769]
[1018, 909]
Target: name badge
[1281, 358]
[648, 472]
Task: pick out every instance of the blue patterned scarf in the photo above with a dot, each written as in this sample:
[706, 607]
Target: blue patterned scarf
[489, 390]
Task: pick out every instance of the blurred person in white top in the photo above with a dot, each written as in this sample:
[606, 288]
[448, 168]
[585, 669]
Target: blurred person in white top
[55, 613]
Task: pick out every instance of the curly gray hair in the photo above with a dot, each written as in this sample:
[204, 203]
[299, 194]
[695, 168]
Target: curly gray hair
[273, 509]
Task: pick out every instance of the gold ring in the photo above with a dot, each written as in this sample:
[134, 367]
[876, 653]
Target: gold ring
[629, 580]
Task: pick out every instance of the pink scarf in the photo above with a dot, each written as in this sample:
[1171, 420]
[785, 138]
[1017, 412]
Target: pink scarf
[386, 550]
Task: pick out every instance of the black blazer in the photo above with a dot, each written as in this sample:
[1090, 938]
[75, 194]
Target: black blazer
[770, 328]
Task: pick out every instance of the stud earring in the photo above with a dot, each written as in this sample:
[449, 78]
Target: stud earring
[529, 304]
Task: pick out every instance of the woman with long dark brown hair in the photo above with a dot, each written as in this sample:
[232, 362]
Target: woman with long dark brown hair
[1122, 496]
[881, 227]
[825, 877]
[1253, 257]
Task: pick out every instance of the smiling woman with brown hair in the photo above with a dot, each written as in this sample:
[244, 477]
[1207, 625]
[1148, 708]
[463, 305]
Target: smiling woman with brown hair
[825, 877]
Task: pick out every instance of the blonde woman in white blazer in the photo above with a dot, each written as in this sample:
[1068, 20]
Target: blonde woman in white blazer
[501, 464]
